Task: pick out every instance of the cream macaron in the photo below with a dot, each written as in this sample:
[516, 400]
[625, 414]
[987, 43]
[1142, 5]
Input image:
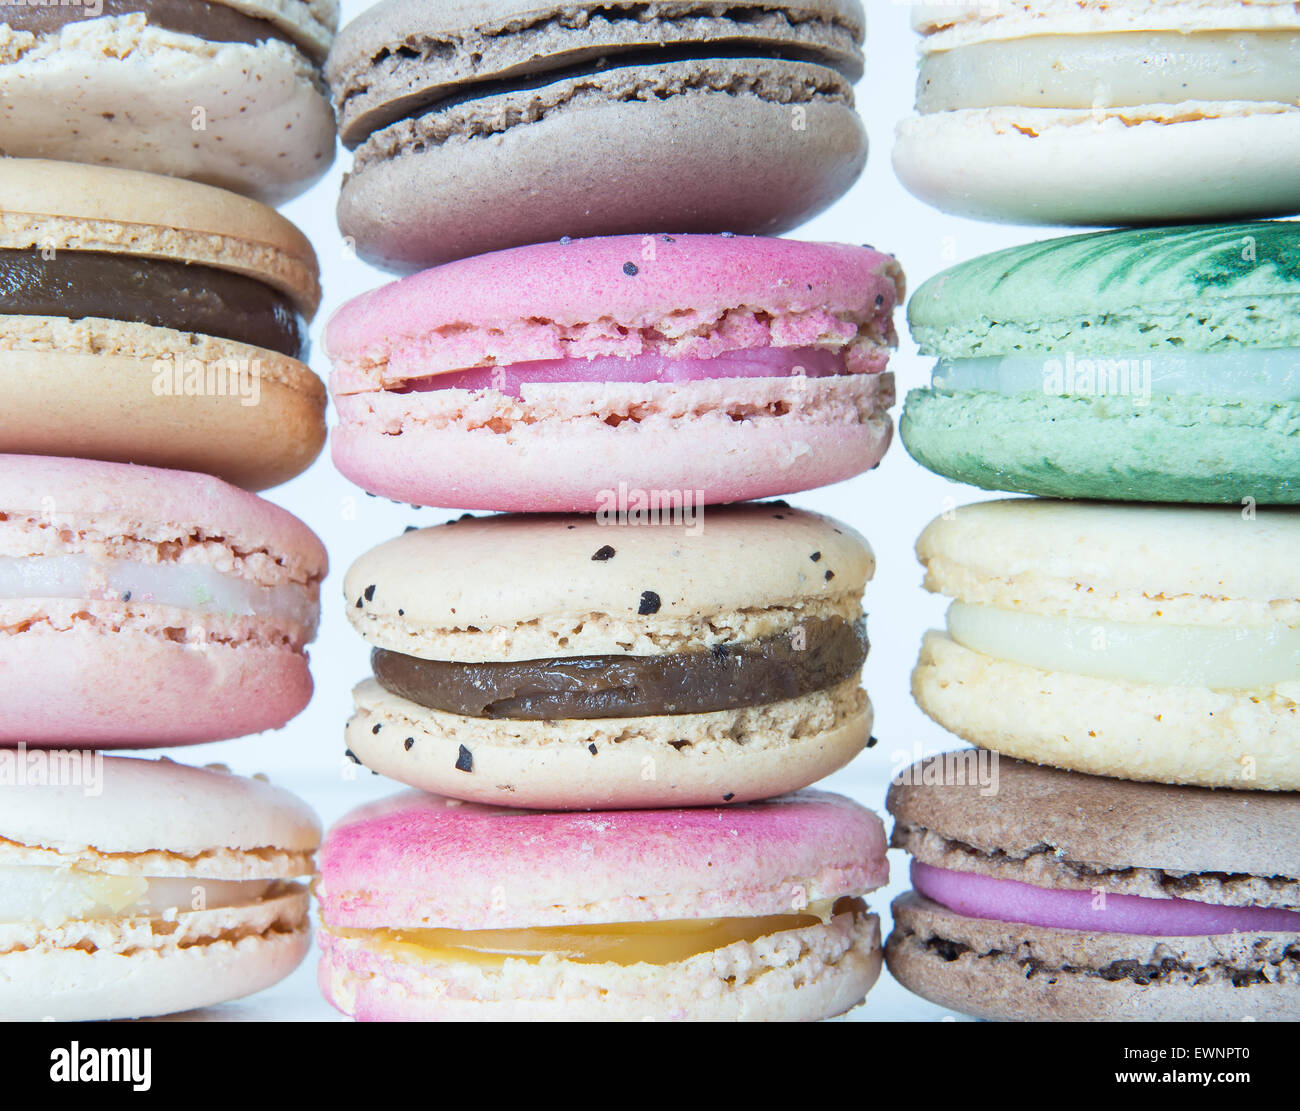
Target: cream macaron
[568, 662]
[1155, 643]
[134, 888]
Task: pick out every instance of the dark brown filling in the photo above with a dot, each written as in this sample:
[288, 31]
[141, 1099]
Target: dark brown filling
[211, 22]
[161, 292]
[811, 657]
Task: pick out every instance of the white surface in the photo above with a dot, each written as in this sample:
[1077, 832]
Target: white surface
[890, 506]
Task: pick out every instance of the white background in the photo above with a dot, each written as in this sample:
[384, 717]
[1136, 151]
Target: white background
[890, 507]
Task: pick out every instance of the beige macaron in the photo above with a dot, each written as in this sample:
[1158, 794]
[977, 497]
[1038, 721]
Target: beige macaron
[577, 662]
[1148, 642]
[155, 321]
[136, 888]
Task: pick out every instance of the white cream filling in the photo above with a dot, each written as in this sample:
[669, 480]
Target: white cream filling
[184, 586]
[1115, 70]
[1252, 375]
[51, 896]
[1162, 655]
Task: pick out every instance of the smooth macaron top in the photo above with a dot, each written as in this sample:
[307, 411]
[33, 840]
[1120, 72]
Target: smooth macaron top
[419, 860]
[116, 806]
[686, 295]
[121, 500]
[399, 57]
[1211, 287]
[1110, 823]
[74, 207]
[512, 571]
[1193, 564]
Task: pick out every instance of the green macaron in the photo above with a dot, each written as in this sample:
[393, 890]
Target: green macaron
[1148, 364]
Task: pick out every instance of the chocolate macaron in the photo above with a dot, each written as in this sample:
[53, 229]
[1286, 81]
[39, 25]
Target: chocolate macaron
[154, 321]
[479, 126]
[567, 662]
[1043, 894]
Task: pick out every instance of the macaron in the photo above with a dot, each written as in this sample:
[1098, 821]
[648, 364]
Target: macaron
[142, 608]
[585, 662]
[1041, 894]
[1152, 643]
[1135, 365]
[1096, 113]
[135, 887]
[226, 92]
[478, 126]
[435, 910]
[545, 378]
[154, 321]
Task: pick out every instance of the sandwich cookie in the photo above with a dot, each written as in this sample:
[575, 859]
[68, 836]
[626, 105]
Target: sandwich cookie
[1053, 895]
[1092, 112]
[226, 92]
[545, 378]
[135, 888]
[154, 321]
[434, 910]
[1136, 365]
[142, 608]
[1145, 642]
[580, 662]
[477, 126]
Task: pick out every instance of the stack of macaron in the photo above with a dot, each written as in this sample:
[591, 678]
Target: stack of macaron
[153, 338]
[613, 694]
[1137, 623]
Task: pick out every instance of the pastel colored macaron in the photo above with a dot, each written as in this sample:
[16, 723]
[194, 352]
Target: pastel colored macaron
[694, 117]
[142, 608]
[1041, 894]
[1137, 365]
[599, 662]
[545, 378]
[226, 92]
[1091, 112]
[750, 913]
[135, 888]
[1152, 643]
[155, 321]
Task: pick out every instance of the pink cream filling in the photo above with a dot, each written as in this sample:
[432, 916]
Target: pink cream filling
[979, 896]
[759, 362]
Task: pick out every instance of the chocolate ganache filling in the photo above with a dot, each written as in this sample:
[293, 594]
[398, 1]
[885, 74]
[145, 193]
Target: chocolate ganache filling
[160, 292]
[210, 22]
[813, 656]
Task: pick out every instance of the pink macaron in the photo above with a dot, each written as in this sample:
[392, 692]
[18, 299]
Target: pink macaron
[582, 375]
[142, 608]
[434, 909]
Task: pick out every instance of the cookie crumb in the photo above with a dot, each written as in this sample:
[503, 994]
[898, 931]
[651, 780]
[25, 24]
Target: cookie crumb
[650, 603]
[631, 269]
[591, 749]
[409, 743]
[605, 553]
[872, 741]
[351, 755]
[375, 729]
[816, 557]
[729, 796]
[369, 593]
[465, 761]
[830, 575]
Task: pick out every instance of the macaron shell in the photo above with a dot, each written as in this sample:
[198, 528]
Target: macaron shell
[402, 863]
[310, 23]
[1171, 449]
[1010, 971]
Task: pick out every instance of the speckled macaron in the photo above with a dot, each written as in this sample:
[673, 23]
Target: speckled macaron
[601, 662]
[484, 125]
[1157, 364]
[549, 378]
[226, 92]
[1155, 643]
[155, 321]
[435, 910]
[142, 608]
[1103, 113]
[1047, 895]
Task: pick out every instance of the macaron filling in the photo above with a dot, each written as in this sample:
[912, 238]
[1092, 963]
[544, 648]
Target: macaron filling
[1112, 70]
[1001, 900]
[191, 587]
[814, 656]
[1217, 657]
[162, 293]
[620, 943]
